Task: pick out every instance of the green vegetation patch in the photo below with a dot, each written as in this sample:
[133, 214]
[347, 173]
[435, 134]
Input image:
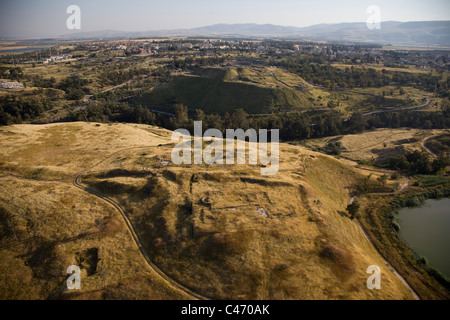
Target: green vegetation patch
[209, 91]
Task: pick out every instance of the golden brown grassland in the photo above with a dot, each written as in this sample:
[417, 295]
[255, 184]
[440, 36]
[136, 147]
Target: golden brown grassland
[223, 230]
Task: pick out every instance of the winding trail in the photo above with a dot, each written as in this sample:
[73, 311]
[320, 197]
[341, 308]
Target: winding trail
[428, 150]
[88, 97]
[171, 282]
[427, 102]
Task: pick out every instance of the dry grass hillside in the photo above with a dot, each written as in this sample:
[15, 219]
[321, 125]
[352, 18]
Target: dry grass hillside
[222, 231]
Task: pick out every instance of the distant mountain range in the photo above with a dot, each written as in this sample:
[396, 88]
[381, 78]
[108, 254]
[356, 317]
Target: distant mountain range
[417, 33]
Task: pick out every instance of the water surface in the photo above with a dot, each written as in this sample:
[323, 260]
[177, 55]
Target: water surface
[426, 230]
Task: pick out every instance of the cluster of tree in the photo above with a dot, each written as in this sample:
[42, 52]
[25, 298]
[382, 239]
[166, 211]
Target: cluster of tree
[332, 77]
[40, 82]
[14, 73]
[423, 81]
[418, 162]
[411, 119]
[300, 126]
[383, 102]
[334, 148]
[367, 184]
[292, 126]
[353, 209]
[14, 109]
[191, 63]
[115, 77]
[329, 76]
[117, 112]
[163, 74]
[74, 87]
[415, 200]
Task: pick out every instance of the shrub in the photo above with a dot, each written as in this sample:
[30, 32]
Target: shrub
[353, 209]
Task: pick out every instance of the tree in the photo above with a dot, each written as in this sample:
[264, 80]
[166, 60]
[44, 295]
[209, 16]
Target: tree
[427, 124]
[398, 162]
[239, 119]
[181, 119]
[445, 106]
[200, 115]
[420, 162]
[383, 179]
[335, 148]
[214, 121]
[353, 209]
[357, 122]
[74, 94]
[332, 104]
[441, 162]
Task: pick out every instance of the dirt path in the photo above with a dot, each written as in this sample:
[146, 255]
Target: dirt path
[171, 282]
[88, 97]
[388, 264]
[404, 185]
[428, 101]
[428, 150]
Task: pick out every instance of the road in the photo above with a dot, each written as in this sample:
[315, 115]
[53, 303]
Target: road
[388, 264]
[428, 101]
[88, 97]
[428, 150]
[171, 282]
[359, 92]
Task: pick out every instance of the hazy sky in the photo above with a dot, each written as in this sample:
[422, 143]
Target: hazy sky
[29, 18]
